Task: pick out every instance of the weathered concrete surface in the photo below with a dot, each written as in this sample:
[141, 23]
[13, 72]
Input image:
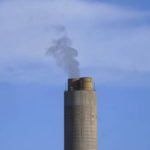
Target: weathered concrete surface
[80, 120]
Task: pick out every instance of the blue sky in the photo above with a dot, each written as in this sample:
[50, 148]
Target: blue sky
[139, 4]
[112, 39]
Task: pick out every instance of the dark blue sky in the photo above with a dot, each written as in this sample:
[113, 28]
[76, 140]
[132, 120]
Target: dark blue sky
[115, 39]
[139, 4]
[32, 117]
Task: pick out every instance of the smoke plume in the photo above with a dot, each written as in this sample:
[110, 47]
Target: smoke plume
[64, 54]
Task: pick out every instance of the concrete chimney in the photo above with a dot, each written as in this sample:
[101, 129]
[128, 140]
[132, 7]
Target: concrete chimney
[80, 118]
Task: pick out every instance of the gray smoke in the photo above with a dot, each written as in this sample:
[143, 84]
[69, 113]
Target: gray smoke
[64, 54]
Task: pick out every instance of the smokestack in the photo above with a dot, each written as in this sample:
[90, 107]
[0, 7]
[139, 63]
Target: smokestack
[80, 122]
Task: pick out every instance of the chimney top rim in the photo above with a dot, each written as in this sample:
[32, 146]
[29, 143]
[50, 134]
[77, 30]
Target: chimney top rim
[79, 78]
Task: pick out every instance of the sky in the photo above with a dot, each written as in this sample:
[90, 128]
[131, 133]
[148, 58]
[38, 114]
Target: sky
[112, 39]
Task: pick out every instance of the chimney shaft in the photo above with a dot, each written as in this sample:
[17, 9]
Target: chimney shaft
[80, 122]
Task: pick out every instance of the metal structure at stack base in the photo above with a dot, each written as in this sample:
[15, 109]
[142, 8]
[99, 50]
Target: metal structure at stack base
[80, 121]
